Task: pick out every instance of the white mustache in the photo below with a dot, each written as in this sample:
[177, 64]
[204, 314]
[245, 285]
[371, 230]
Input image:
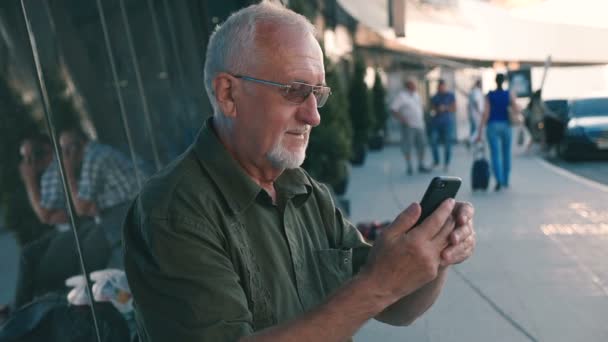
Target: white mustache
[302, 130]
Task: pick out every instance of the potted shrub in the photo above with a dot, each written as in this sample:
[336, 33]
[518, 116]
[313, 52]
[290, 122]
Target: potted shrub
[329, 147]
[360, 112]
[376, 141]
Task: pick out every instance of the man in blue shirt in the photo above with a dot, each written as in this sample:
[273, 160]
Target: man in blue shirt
[442, 123]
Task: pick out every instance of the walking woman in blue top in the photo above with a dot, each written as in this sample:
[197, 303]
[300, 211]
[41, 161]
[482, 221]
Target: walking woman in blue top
[496, 117]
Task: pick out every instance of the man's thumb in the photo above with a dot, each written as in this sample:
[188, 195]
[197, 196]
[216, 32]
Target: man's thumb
[406, 219]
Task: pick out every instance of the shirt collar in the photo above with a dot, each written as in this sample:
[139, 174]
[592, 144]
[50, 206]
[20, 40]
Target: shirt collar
[234, 184]
[294, 184]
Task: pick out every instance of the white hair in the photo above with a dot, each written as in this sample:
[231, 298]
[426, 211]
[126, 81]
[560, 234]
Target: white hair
[232, 45]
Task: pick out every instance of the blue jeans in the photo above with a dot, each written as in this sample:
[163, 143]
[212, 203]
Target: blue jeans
[499, 139]
[442, 132]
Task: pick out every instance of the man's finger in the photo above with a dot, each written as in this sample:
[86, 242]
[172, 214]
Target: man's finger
[461, 233]
[433, 224]
[458, 253]
[405, 220]
[448, 227]
[463, 212]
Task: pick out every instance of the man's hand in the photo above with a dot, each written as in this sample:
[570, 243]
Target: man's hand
[462, 239]
[404, 259]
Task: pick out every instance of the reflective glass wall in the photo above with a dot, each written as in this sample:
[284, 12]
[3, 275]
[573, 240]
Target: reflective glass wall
[95, 96]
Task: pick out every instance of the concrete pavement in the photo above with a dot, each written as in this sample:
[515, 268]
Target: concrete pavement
[540, 270]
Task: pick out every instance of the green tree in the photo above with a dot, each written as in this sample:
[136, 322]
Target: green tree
[306, 8]
[361, 113]
[380, 114]
[330, 143]
[379, 105]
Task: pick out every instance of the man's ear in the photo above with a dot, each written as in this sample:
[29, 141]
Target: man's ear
[224, 90]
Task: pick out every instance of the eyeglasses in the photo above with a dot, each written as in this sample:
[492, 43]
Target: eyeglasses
[296, 92]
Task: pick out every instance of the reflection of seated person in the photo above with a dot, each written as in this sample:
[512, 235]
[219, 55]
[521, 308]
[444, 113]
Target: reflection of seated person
[37, 156]
[102, 182]
[99, 176]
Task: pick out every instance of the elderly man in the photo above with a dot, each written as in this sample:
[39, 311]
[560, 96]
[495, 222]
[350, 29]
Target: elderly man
[407, 109]
[234, 242]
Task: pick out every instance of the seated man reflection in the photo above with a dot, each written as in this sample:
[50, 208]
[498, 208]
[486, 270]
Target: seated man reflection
[102, 182]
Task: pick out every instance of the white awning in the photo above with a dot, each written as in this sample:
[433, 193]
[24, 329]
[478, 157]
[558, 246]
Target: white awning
[475, 30]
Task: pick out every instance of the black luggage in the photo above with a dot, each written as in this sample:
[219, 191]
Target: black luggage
[480, 173]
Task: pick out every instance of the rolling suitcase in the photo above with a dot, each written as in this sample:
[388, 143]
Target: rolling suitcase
[480, 172]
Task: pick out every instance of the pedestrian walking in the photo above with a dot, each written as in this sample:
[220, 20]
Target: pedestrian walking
[496, 117]
[442, 124]
[406, 107]
[475, 109]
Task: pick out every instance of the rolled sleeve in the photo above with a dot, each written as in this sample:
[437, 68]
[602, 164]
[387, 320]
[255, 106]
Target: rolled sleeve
[184, 283]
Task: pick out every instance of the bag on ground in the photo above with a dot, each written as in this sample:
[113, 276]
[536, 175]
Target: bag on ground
[480, 172]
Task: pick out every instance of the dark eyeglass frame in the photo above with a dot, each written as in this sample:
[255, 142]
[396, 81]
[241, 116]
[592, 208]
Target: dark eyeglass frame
[321, 93]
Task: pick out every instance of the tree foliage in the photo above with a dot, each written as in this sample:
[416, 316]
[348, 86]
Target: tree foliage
[330, 143]
[379, 105]
[360, 111]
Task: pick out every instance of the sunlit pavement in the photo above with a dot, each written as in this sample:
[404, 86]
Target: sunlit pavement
[540, 270]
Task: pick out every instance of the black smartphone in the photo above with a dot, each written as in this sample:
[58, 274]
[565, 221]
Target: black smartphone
[440, 189]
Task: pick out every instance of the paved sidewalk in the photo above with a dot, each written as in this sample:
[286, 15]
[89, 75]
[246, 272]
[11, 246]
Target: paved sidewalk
[540, 270]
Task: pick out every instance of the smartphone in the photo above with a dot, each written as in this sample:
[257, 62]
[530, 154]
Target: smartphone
[440, 189]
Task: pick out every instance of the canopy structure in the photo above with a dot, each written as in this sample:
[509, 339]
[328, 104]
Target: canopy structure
[588, 13]
[479, 33]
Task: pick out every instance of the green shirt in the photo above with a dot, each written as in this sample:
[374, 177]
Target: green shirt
[209, 257]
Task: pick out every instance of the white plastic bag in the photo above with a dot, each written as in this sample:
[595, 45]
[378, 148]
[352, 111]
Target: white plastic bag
[109, 285]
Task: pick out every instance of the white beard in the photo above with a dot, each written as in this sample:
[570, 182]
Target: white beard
[281, 158]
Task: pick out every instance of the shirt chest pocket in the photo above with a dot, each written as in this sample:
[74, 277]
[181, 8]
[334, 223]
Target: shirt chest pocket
[335, 267]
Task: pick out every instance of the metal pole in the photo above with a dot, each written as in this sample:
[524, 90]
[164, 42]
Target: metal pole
[140, 86]
[121, 103]
[51, 128]
[176, 56]
[159, 41]
[176, 107]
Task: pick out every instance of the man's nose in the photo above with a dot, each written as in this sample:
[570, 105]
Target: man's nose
[308, 112]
